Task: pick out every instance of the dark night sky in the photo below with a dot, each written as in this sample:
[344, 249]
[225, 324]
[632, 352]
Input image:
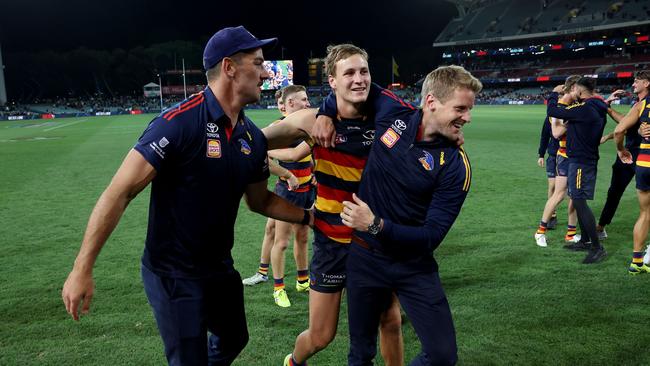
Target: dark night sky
[405, 29]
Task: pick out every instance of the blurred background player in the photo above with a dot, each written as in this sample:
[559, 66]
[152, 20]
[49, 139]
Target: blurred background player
[269, 231]
[639, 114]
[297, 159]
[585, 124]
[298, 189]
[622, 173]
[548, 144]
[558, 131]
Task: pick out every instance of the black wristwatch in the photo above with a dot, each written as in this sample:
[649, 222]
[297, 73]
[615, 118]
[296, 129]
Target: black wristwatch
[375, 227]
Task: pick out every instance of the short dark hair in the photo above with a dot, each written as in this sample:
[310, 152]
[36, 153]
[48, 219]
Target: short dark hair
[588, 83]
[643, 75]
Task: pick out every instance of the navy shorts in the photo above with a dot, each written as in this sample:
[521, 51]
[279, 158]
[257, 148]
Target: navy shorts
[582, 181]
[300, 199]
[562, 166]
[550, 166]
[642, 178]
[327, 270]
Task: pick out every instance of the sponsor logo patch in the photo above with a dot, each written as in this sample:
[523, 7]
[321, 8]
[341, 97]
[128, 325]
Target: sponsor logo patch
[214, 149]
[163, 142]
[212, 127]
[154, 146]
[245, 148]
[369, 135]
[399, 125]
[389, 138]
[340, 139]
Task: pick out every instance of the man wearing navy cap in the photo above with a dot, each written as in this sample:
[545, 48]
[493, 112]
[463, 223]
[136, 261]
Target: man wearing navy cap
[201, 156]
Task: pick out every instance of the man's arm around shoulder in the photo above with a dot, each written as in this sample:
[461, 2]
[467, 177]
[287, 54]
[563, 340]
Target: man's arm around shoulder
[295, 126]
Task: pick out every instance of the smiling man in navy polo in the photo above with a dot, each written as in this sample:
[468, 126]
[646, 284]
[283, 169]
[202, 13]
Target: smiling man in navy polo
[201, 156]
[412, 189]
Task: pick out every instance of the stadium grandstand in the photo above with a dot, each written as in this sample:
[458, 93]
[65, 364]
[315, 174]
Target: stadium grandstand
[521, 49]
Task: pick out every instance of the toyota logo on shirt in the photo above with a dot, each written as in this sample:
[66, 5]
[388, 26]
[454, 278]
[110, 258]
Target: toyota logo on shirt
[212, 127]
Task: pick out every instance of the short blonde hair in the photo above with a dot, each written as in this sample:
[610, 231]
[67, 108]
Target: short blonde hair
[442, 82]
[339, 52]
[570, 81]
[290, 90]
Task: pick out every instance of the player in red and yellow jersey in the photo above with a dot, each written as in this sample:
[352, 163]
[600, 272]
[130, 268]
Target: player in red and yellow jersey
[640, 112]
[561, 164]
[338, 172]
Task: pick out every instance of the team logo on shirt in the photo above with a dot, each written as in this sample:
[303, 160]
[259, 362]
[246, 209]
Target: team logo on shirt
[214, 149]
[245, 148]
[426, 161]
[163, 142]
[389, 138]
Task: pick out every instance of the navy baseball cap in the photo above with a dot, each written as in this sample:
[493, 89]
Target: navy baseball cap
[229, 41]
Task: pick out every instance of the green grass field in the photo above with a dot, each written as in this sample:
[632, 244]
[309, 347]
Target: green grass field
[513, 302]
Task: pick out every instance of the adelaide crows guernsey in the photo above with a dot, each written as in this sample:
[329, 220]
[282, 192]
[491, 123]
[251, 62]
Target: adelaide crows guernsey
[338, 172]
[644, 117]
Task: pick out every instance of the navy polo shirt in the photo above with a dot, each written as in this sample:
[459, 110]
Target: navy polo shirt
[202, 169]
[585, 125]
[416, 187]
[547, 142]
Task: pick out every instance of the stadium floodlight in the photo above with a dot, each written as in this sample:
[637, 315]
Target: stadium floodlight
[3, 90]
[160, 84]
[184, 84]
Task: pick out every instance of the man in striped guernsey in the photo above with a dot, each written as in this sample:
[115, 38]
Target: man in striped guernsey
[639, 114]
[200, 157]
[585, 124]
[558, 131]
[622, 173]
[413, 187]
[298, 161]
[338, 171]
[548, 145]
[262, 274]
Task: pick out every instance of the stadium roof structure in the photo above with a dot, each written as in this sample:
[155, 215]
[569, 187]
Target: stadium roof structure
[490, 21]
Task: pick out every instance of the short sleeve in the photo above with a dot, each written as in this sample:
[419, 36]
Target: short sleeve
[159, 142]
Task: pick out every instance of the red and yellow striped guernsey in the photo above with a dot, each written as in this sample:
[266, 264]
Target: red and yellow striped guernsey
[338, 171]
[644, 149]
[302, 169]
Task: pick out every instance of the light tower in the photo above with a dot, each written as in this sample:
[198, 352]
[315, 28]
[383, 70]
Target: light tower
[3, 90]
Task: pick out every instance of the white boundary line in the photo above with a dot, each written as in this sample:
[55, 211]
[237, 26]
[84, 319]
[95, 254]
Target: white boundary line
[67, 124]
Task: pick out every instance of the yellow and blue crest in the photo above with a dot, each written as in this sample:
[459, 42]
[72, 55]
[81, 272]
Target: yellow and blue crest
[427, 161]
[245, 148]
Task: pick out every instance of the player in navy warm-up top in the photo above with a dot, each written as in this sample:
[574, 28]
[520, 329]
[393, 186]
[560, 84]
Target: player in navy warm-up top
[585, 124]
[415, 182]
